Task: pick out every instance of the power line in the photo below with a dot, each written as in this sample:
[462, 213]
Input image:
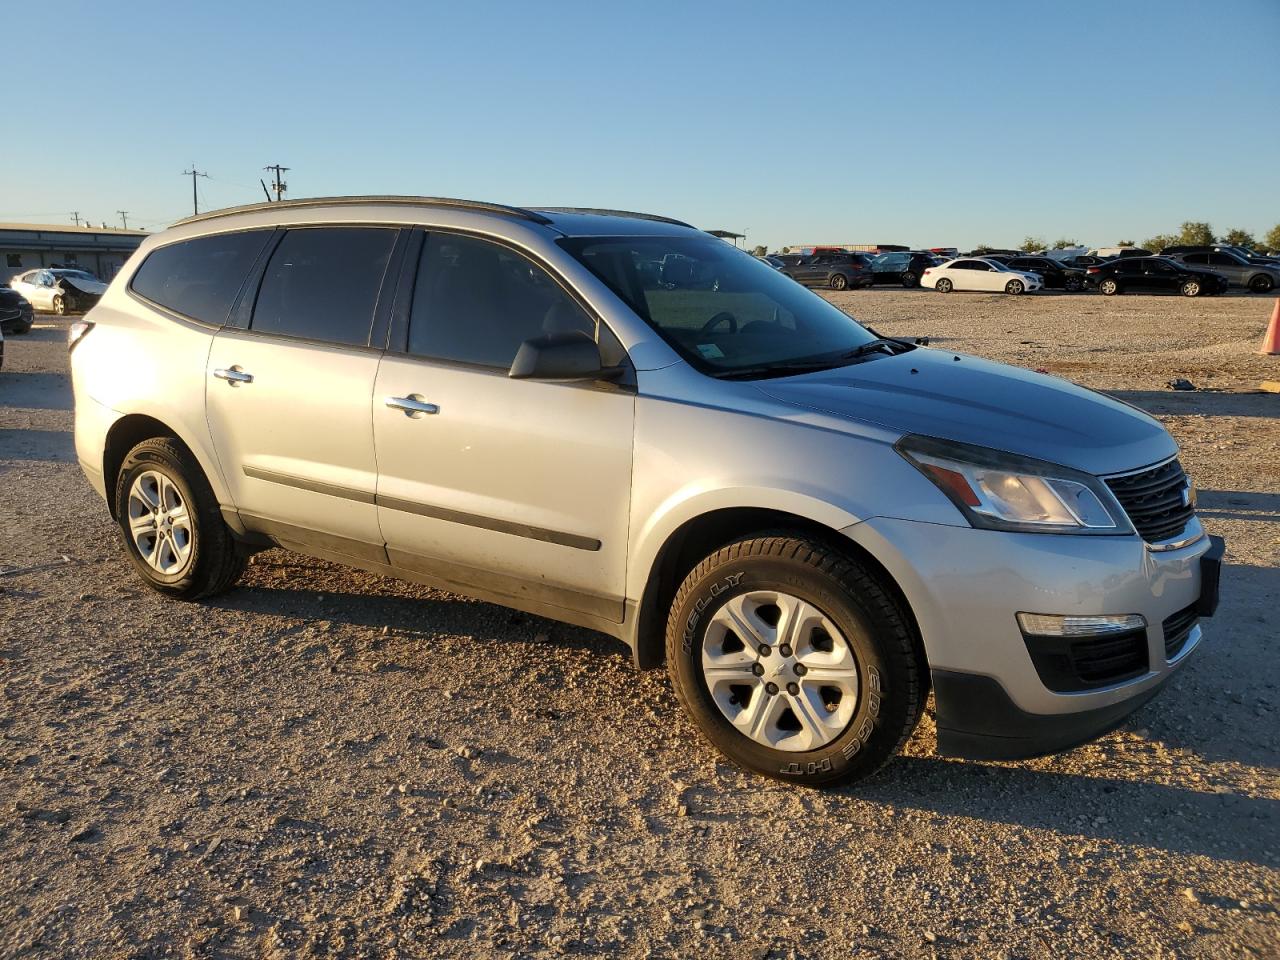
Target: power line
[124, 218]
[193, 173]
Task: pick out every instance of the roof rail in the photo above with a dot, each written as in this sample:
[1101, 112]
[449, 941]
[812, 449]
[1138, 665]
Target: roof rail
[614, 213]
[478, 205]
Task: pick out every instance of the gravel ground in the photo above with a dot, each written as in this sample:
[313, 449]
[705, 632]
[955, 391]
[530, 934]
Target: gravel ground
[326, 762]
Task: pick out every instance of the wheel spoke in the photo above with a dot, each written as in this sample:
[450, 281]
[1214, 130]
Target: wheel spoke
[760, 715]
[736, 616]
[813, 718]
[797, 621]
[141, 526]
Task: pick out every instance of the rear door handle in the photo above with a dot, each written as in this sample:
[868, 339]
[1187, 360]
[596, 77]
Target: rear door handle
[411, 405]
[233, 375]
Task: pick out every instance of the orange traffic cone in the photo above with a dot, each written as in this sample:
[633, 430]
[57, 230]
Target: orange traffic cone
[1271, 339]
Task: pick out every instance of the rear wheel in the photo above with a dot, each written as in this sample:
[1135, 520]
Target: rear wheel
[1191, 288]
[794, 660]
[59, 305]
[943, 286]
[909, 279]
[173, 530]
[838, 281]
[1071, 284]
[1261, 284]
[1014, 287]
[1109, 287]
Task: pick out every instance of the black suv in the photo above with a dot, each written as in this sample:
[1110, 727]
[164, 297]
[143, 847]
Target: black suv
[905, 268]
[1153, 275]
[1056, 274]
[839, 271]
[15, 312]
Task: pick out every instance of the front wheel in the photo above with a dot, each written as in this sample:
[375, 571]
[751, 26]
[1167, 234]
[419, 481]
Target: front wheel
[1261, 284]
[173, 529]
[943, 286]
[59, 305]
[1191, 288]
[909, 279]
[838, 281]
[1014, 287]
[794, 661]
[1071, 285]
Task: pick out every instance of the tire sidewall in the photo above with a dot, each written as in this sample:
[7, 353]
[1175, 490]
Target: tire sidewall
[140, 460]
[1114, 288]
[944, 286]
[867, 739]
[1014, 287]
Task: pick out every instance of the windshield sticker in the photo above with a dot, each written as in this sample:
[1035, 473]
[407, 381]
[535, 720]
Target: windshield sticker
[710, 351]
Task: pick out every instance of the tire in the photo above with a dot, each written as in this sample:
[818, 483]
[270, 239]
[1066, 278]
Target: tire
[1191, 288]
[59, 305]
[876, 687]
[1014, 287]
[1108, 287]
[1071, 285]
[1261, 284]
[19, 330]
[909, 279]
[943, 286]
[162, 469]
[838, 281]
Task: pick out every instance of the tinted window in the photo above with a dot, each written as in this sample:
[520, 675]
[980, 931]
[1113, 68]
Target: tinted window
[1196, 258]
[1222, 260]
[200, 278]
[1159, 266]
[476, 302]
[323, 284]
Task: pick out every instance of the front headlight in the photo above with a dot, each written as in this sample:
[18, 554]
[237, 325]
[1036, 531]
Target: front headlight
[1002, 491]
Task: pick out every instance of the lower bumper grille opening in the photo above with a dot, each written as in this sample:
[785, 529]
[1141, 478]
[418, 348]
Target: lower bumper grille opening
[1177, 628]
[1070, 664]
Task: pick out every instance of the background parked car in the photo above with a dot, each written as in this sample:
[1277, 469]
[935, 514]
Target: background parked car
[979, 273]
[1055, 274]
[772, 261]
[59, 289]
[1083, 261]
[1154, 275]
[1259, 278]
[1115, 253]
[905, 268]
[839, 271]
[1242, 252]
[15, 312]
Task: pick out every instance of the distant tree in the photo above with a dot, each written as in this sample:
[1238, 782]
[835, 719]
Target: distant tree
[1158, 242]
[1272, 240]
[759, 250]
[1062, 243]
[1126, 243]
[1195, 232]
[982, 248]
[1239, 238]
[1031, 244]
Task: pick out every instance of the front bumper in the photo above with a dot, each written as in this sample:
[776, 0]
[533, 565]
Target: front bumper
[965, 587]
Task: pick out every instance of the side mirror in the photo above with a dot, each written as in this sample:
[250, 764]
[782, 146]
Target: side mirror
[561, 356]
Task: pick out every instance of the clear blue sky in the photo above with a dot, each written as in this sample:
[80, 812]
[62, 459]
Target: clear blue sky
[926, 123]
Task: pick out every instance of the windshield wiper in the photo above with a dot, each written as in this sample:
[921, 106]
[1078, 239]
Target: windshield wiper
[879, 343]
[815, 363]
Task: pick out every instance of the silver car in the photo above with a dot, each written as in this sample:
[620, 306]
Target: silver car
[618, 421]
[1256, 277]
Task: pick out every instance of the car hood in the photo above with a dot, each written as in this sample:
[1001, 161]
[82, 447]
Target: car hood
[92, 287]
[937, 393]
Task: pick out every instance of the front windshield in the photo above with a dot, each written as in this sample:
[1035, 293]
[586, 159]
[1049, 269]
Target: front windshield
[723, 310]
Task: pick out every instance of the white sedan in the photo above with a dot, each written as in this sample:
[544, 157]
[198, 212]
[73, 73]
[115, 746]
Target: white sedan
[59, 289]
[979, 273]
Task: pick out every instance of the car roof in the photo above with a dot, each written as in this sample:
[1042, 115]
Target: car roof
[568, 221]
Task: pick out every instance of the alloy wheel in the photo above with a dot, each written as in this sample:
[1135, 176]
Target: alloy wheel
[160, 523]
[780, 671]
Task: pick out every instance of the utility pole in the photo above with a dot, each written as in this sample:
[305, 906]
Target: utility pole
[75, 215]
[278, 185]
[193, 173]
[124, 218]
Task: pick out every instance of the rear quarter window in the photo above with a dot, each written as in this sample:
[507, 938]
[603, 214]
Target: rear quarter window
[199, 278]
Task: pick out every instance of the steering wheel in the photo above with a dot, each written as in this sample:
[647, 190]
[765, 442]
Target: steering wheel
[724, 316]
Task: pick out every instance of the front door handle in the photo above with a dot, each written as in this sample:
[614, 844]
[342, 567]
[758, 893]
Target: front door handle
[233, 375]
[412, 405]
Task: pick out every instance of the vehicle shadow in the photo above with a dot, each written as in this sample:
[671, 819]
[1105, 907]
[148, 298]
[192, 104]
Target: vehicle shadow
[1200, 402]
[1221, 826]
[35, 391]
[1239, 505]
[46, 330]
[52, 445]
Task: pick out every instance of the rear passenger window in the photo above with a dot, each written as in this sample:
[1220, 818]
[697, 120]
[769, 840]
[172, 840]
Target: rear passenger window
[322, 283]
[200, 278]
[476, 302]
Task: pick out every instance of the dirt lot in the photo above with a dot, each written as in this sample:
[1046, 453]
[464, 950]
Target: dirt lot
[325, 762]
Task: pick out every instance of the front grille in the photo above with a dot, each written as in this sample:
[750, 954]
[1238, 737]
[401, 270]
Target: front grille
[1156, 500]
[7, 313]
[1177, 627]
[1069, 664]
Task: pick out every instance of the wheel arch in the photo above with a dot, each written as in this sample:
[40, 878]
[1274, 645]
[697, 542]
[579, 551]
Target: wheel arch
[129, 431]
[707, 532]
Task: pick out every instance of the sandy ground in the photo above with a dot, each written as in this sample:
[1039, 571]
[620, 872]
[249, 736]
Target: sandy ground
[323, 762]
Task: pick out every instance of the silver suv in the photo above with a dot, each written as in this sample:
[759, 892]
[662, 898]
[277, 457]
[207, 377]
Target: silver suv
[618, 421]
